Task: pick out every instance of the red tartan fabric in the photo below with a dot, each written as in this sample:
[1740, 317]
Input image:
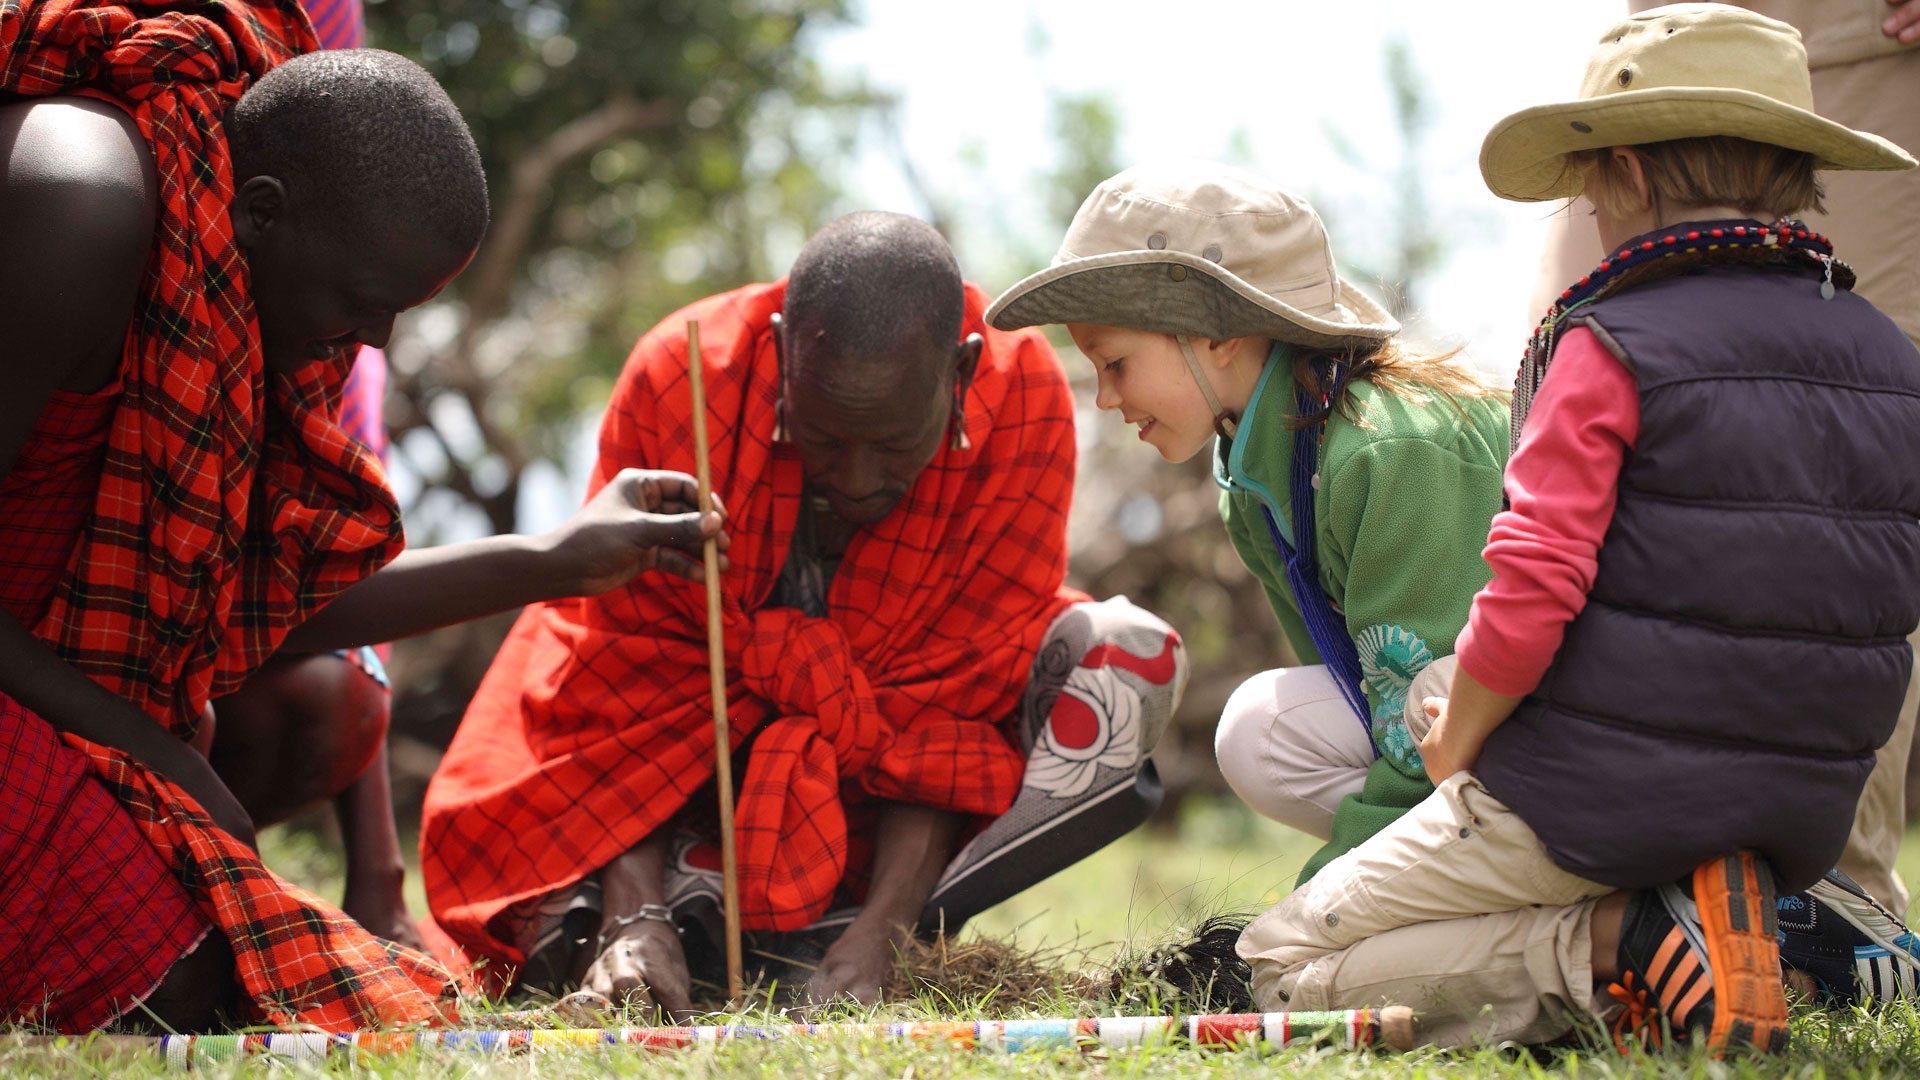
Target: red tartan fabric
[47, 497]
[213, 531]
[593, 726]
[90, 917]
[299, 959]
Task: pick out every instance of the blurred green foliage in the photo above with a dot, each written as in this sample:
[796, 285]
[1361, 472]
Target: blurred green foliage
[639, 156]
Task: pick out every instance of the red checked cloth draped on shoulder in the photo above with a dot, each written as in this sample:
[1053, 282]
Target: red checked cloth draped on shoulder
[230, 506]
[594, 724]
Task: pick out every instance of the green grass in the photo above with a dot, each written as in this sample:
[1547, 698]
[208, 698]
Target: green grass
[1141, 891]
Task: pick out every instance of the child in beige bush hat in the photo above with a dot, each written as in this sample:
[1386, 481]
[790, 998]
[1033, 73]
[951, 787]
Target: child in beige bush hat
[1357, 478]
[1671, 691]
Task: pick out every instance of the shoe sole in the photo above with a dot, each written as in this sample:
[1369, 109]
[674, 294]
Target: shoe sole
[1890, 968]
[1735, 897]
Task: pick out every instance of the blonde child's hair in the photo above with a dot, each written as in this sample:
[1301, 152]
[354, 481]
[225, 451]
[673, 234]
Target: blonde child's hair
[1766, 181]
[1391, 366]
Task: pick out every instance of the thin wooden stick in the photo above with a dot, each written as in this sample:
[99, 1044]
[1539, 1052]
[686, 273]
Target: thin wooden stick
[717, 668]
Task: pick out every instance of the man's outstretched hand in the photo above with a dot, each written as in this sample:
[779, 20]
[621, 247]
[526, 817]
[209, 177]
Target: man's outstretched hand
[642, 964]
[642, 520]
[911, 849]
[856, 966]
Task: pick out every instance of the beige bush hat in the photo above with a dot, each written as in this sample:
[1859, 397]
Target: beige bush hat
[1678, 72]
[1196, 249]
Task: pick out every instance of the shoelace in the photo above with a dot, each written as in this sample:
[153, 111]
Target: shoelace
[1639, 1016]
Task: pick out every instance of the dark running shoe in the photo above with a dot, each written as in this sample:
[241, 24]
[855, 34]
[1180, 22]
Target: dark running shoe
[1854, 949]
[1700, 961]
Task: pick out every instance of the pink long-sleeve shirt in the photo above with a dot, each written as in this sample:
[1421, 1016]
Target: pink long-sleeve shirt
[1561, 486]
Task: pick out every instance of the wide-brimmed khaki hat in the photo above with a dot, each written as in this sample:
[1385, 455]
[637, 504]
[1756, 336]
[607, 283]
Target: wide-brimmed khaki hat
[1197, 249]
[1678, 72]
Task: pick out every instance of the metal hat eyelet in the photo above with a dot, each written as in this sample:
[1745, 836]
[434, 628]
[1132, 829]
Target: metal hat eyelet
[1582, 127]
[1626, 75]
[1212, 253]
[1157, 241]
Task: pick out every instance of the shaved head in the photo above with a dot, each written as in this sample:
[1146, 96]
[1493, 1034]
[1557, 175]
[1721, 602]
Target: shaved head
[875, 286]
[364, 138]
[874, 368]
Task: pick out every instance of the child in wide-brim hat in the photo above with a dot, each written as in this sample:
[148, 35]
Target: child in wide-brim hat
[1672, 689]
[1357, 477]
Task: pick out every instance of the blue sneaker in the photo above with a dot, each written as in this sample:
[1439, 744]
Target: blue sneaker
[1853, 948]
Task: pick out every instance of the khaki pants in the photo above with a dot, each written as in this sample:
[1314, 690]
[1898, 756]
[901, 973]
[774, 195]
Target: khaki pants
[1874, 217]
[1881, 820]
[1456, 910]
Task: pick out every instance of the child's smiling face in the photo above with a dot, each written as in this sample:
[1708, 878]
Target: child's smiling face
[1143, 375]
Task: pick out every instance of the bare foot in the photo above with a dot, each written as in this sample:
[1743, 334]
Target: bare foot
[855, 967]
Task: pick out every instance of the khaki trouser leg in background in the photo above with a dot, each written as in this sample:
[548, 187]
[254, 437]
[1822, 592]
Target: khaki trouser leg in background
[1881, 820]
[1457, 905]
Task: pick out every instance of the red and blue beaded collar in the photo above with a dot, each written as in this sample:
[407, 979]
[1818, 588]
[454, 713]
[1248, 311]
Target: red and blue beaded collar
[1693, 236]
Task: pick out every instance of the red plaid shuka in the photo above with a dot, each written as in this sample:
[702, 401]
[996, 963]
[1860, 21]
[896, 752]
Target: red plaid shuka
[594, 724]
[214, 531]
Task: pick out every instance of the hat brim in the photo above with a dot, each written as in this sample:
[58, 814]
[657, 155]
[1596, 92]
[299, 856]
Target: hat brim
[1138, 290]
[1524, 156]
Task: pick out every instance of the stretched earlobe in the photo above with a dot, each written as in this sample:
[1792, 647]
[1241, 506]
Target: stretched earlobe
[966, 360]
[958, 423]
[780, 379]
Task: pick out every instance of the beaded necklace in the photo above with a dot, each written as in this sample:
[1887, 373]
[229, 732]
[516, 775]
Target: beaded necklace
[1663, 253]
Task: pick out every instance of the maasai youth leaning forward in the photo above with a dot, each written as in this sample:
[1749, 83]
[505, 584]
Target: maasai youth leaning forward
[196, 227]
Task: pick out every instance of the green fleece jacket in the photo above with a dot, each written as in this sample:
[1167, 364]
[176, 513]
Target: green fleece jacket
[1407, 488]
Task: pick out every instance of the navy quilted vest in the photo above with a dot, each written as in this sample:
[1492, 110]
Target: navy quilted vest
[1742, 653]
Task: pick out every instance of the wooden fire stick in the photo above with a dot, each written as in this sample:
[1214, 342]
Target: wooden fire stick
[717, 668]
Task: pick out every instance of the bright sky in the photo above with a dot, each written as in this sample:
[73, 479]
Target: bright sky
[1270, 85]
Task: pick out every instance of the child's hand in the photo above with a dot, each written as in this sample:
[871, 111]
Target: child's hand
[1446, 749]
[1461, 724]
[1904, 24]
[642, 520]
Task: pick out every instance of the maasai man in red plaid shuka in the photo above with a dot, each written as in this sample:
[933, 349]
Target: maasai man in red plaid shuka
[897, 479]
[175, 496]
